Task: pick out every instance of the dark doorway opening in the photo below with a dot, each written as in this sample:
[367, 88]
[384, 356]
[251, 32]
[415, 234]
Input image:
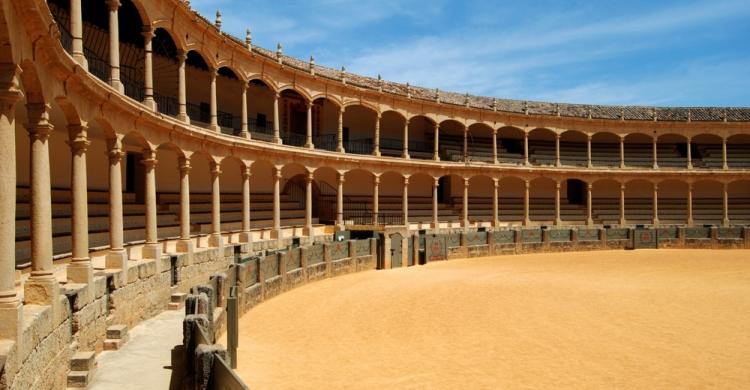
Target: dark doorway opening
[576, 192]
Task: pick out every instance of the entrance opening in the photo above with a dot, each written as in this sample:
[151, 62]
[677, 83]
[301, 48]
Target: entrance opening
[576, 192]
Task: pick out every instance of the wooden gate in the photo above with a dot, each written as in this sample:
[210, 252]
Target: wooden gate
[396, 250]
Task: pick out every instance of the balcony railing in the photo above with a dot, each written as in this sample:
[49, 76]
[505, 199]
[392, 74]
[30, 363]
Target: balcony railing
[367, 218]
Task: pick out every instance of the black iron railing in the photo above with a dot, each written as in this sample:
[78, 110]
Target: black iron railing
[167, 104]
[326, 142]
[367, 217]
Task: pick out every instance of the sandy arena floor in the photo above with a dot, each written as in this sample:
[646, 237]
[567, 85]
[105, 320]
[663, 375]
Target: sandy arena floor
[643, 319]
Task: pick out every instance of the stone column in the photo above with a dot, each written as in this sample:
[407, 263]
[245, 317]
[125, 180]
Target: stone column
[215, 239]
[494, 146]
[11, 312]
[405, 201]
[465, 208]
[724, 163]
[246, 234]
[79, 270]
[308, 204]
[152, 249]
[148, 69]
[276, 232]
[117, 257]
[340, 132]
[589, 205]
[76, 33]
[589, 163]
[622, 152]
[526, 218]
[466, 144]
[557, 150]
[114, 45]
[42, 287]
[308, 140]
[244, 131]
[656, 205]
[376, 140]
[496, 203]
[375, 198]
[436, 142]
[276, 124]
[690, 204]
[655, 153]
[182, 87]
[689, 155]
[185, 244]
[558, 220]
[623, 221]
[526, 148]
[340, 203]
[214, 125]
[405, 154]
[435, 217]
[725, 220]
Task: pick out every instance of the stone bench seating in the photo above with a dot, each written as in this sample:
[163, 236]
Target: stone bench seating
[254, 206]
[23, 195]
[59, 210]
[62, 226]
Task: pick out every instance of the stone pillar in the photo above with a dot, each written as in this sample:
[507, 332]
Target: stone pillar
[526, 218]
[182, 87]
[42, 287]
[557, 150]
[340, 203]
[244, 130]
[623, 221]
[466, 144]
[496, 203]
[689, 155]
[656, 205]
[185, 244]
[725, 220]
[724, 163]
[589, 163]
[376, 140]
[308, 204]
[655, 153]
[622, 152]
[215, 239]
[214, 125]
[114, 45]
[79, 270]
[11, 312]
[435, 216]
[308, 140]
[405, 154]
[76, 33]
[465, 208]
[276, 232]
[148, 69]
[525, 148]
[340, 132]
[558, 221]
[276, 124]
[589, 205]
[246, 235]
[375, 198]
[690, 204]
[494, 146]
[116, 257]
[405, 201]
[436, 142]
[152, 249]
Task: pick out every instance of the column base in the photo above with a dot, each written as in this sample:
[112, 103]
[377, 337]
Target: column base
[435, 225]
[151, 251]
[589, 222]
[215, 240]
[116, 84]
[184, 117]
[308, 231]
[309, 145]
[277, 140]
[80, 271]
[340, 150]
[245, 237]
[185, 246]
[150, 103]
[41, 290]
[244, 134]
[81, 60]
[690, 222]
[118, 259]
[725, 222]
[623, 222]
[558, 222]
[11, 318]
[214, 127]
[526, 222]
[405, 156]
[436, 158]
[376, 153]
[276, 234]
[655, 222]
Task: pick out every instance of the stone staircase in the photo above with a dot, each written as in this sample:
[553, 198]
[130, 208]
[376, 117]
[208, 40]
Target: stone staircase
[82, 368]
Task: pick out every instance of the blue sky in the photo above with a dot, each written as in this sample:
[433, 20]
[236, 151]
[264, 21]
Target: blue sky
[673, 53]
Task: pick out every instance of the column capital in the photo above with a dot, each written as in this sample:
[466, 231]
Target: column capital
[185, 166]
[78, 140]
[39, 125]
[113, 5]
[115, 152]
[527, 183]
[622, 186]
[181, 56]
[406, 180]
[310, 177]
[589, 186]
[246, 172]
[435, 181]
[147, 33]
[277, 174]
[148, 158]
[215, 170]
[376, 179]
[656, 186]
[496, 182]
[342, 177]
[466, 181]
[558, 184]
[10, 91]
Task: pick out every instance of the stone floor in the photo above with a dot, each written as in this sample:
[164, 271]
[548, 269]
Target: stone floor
[145, 361]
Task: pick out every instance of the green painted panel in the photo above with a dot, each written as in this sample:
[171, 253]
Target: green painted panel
[315, 254]
[666, 233]
[617, 234]
[559, 235]
[435, 247]
[587, 234]
[729, 233]
[644, 238]
[531, 236]
[476, 238]
[504, 236]
[697, 233]
[339, 250]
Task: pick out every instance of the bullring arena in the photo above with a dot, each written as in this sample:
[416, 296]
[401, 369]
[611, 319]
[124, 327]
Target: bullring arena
[162, 179]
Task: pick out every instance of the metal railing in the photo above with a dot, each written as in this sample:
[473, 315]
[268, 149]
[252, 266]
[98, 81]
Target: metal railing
[167, 104]
[367, 218]
[359, 146]
[326, 142]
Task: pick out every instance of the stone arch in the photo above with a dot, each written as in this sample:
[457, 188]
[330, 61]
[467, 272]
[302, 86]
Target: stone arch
[510, 145]
[479, 139]
[481, 189]
[542, 146]
[638, 150]
[293, 125]
[672, 201]
[32, 86]
[542, 200]
[639, 205]
[359, 128]
[297, 89]
[707, 151]
[392, 133]
[420, 144]
[260, 96]
[708, 201]
[672, 150]
[229, 89]
[574, 148]
[325, 112]
[739, 201]
[738, 151]
[605, 149]
[511, 192]
[605, 201]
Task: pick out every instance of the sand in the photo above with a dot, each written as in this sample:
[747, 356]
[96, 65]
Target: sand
[615, 319]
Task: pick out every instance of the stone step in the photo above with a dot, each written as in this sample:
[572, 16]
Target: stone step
[118, 332]
[112, 344]
[79, 379]
[83, 361]
[178, 298]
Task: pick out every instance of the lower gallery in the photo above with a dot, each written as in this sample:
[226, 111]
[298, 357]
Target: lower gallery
[152, 164]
